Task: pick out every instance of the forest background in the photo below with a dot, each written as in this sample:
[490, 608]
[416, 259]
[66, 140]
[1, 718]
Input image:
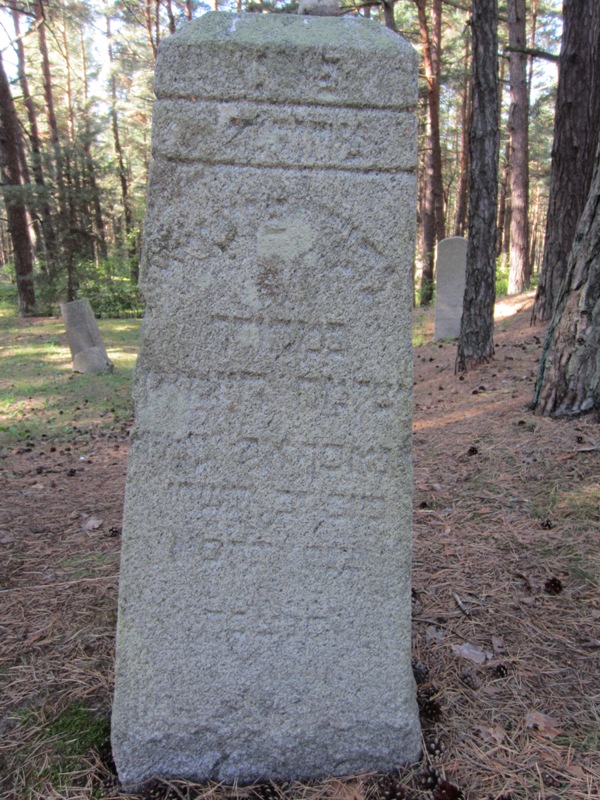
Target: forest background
[76, 80]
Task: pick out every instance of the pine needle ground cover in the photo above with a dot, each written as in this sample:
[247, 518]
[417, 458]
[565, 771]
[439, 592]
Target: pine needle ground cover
[506, 603]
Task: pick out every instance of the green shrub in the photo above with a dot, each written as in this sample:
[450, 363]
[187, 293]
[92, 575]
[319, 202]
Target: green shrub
[115, 301]
[502, 270]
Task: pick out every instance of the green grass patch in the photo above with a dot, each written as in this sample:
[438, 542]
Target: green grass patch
[55, 759]
[77, 730]
[422, 329]
[8, 299]
[88, 564]
[42, 398]
[581, 503]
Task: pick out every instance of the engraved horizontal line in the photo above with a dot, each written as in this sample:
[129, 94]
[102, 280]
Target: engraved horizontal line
[295, 167]
[192, 98]
[349, 381]
[252, 489]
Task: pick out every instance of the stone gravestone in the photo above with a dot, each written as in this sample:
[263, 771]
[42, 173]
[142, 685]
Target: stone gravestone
[450, 270]
[264, 609]
[84, 337]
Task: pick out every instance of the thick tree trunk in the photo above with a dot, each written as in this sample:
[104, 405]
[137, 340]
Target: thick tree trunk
[576, 125]
[12, 190]
[476, 342]
[569, 379]
[518, 126]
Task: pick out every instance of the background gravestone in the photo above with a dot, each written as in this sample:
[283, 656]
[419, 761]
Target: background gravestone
[264, 609]
[84, 337]
[450, 271]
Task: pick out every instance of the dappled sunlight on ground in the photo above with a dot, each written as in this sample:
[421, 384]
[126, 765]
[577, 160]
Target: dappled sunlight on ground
[510, 305]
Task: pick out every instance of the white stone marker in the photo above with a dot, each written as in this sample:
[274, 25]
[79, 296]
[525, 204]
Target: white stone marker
[450, 272]
[264, 609]
[84, 337]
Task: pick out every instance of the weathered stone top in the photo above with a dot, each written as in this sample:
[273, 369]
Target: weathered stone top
[209, 59]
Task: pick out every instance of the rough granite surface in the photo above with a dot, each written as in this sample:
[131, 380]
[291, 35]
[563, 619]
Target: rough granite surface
[450, 275]
[264, 608]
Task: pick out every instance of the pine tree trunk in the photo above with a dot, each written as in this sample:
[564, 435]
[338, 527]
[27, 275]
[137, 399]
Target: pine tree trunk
[89, 169]
[576, 123]
[463, 185]
[148, 26]
[503, 204]
[518, 126]
[171, 17]
[432, 44]
[388, 14]
[476, 341]
[130, 244]
[65, 223]
[46, 74]
[12, 190]
[568, 383]
[427, 224]
[48, 233]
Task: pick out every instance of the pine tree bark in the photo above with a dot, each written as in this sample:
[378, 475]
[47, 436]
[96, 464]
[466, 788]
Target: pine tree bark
[432, 220]
[568, 383]
[476, 341]
[463, 185]
[40, 18]
[577, 121]
[503, 231]
[431, 40]
[427, 225]
[518, 126]
[12, 190]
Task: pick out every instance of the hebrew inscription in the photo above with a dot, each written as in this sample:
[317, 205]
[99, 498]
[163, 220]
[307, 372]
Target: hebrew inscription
[264, 611]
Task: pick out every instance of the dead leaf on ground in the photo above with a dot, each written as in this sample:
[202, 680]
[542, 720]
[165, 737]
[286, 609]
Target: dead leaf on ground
[491, 733]
[576, 771]
[543, 723]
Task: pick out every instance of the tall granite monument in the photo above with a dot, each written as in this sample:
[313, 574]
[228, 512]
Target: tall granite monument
[264, 609]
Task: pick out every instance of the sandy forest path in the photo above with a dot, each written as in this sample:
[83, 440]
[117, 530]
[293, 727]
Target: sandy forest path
[505, 601]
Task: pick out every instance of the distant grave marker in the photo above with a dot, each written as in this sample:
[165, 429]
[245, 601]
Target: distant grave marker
[264, 609]
[450, 268]
[84, 337]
